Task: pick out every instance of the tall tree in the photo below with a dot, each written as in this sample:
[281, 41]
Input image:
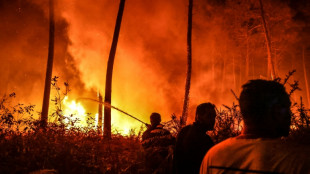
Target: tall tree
[108, 82]
[234, 73]
[189, 64]
[49, 69]
[271, 69]
[213, 61]
[247, 58]
[305, 75]
[100, 113]
[223, 74]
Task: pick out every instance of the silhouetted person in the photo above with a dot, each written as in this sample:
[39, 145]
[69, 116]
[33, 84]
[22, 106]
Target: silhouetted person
[265, 107]
[193, 141]
[158, 144]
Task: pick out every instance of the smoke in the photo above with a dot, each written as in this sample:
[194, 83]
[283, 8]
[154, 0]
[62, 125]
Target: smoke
[150, 63]
[148, 74]
[23, 51]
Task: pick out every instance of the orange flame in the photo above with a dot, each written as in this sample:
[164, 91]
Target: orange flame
[75, 109]
[120, 123]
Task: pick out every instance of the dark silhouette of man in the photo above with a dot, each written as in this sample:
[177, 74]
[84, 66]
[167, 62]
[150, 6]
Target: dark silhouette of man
[265, 107]
[193, 141]
[158, 144]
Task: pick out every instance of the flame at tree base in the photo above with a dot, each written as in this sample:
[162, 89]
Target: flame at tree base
[76, 111]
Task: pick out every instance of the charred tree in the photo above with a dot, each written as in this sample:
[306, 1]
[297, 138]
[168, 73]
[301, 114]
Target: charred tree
[189, 64]
[100, 113]
[49, 68]
[108, 83]
[271, 69]
[305, 75]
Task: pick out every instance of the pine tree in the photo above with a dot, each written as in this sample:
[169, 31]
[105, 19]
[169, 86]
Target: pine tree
[189, 64]
[108, 83]
[305, 76]
[268, 42]
[49, 69]
[99, 113]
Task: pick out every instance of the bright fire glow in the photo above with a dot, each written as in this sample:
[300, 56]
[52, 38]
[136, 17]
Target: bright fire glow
[150, 65]
[120, 122]
[76, 110]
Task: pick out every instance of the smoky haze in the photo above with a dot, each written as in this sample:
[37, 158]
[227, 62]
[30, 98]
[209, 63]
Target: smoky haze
[150, 63]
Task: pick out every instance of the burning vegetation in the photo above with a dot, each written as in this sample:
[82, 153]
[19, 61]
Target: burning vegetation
[153, 49]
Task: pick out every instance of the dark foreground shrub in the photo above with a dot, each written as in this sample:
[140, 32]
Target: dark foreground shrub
[67, 151]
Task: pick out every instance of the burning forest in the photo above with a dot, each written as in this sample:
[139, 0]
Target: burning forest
[80, 79]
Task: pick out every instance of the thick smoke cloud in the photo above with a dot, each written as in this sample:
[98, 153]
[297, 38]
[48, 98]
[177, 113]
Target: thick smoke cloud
[23, 51]
[150, 65]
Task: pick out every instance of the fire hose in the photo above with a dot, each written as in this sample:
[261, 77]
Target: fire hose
[113, 107]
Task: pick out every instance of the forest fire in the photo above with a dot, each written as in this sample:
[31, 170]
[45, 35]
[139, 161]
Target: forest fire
[104, 67]
[150, 62]
[76, 110]
[121, 122]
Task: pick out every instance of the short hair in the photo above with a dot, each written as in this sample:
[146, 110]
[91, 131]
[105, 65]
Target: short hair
[155, 117]
[258, 97]
[203, 108]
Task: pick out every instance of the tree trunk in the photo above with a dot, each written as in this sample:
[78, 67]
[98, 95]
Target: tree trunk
[189, 64]
[223, 75]
[240, 75]
[293, 66]
[247, 59]
[305, 75]
[49, 69]
[253, 68]
[276, 60]
[268, 43]
[234, 73]
[108, 83]
[100, 113]
[213, 65]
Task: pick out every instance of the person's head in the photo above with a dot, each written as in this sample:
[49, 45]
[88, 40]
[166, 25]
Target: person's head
[205, 115]
[155, 119]
[265, 108]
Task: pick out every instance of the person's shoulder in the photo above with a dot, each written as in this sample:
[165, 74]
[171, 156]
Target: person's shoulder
[146, 134]
[216, 153]
[291, 157]
[220, 149]
[160, 130]
[166, 132]
[184, 131]
[291, 148]
[186, 128]
[222, 146]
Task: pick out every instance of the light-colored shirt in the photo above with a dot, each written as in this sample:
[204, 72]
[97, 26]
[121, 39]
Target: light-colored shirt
[256, 156]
